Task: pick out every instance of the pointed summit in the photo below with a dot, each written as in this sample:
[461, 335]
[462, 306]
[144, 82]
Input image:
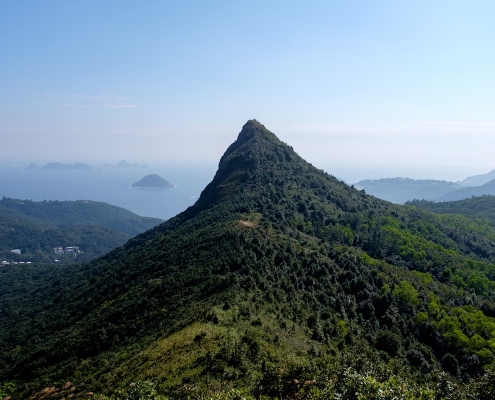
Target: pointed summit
[258, 170]
[252, 132]
[252, 129]
[254, 159]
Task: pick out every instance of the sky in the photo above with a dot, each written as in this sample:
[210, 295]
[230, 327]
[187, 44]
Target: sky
[361, 89]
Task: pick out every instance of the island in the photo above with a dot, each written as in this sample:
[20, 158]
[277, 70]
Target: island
[152, 181]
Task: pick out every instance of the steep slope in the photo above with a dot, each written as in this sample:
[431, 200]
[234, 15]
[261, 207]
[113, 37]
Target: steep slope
[275, 275]
[479, 208]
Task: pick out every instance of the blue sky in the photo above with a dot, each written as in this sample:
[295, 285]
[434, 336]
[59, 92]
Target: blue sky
[362, 89]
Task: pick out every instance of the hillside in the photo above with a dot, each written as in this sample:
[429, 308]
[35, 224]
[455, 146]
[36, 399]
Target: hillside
[279, 281]
[480, 208]
[36, 228]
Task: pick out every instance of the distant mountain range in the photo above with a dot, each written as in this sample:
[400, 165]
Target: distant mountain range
[77, 166]
[478, 180]
[464, 193]
[401, 190]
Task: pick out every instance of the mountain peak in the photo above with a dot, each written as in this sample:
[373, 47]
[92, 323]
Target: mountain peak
[256, 152]
[251, 129]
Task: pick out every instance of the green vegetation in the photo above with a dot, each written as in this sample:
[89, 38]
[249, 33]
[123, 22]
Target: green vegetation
[6, 389]
[280, 282]
[36, 228]
[479, 208]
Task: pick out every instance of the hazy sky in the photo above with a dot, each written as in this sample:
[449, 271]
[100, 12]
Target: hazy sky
[358, 88]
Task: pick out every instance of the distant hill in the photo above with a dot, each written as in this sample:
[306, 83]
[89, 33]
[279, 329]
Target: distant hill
[481, 208]
[466, 192]
[60, 166]
[400, 190]
[37, 227]
[32, 166]
[152, 181]
[478, 180]
[280, 282]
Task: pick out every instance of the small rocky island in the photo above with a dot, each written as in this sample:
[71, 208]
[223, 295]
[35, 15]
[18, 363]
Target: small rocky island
[152, 181]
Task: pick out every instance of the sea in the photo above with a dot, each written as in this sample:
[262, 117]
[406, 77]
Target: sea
[111, 185]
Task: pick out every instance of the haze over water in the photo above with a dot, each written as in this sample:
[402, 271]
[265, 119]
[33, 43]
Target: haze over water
[111, 185]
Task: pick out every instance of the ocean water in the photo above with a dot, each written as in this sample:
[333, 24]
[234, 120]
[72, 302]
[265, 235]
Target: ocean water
[111, 185]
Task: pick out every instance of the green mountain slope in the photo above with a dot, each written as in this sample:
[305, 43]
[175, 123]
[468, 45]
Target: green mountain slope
[64, 214]
[36, 228]
[280, 274]
[479, 208]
